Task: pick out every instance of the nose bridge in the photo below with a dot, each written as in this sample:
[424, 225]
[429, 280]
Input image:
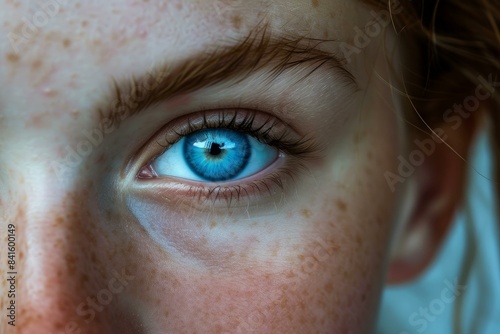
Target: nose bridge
[51, 271]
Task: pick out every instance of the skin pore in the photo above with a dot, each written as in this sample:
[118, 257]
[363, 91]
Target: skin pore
[309, 257]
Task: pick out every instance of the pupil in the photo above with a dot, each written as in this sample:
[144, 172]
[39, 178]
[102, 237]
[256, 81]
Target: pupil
[217, 154]
[215, 148]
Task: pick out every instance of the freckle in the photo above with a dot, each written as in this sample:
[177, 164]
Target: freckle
[179, 6]
[85, 23]
[315, 3]
[66, 42]
[306, 213]
[20, 212]
[12, 57]
[329, 287]
[75, 114]
[236, 21]
[36, 64]
[59, 221]
[358, 240]
[213, 224]
[84, 278]
[176, 283]
[341, 205]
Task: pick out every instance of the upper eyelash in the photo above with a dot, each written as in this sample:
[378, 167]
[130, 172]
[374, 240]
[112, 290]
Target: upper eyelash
[303, 147]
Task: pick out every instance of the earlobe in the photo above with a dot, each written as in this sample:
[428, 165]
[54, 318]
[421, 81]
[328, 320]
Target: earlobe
[438, 187]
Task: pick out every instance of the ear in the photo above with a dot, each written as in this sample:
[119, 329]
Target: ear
[439, 186]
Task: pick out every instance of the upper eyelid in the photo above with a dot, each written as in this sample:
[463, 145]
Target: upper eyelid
[257, 51]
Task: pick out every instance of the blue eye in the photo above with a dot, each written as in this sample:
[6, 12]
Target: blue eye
[215, 155]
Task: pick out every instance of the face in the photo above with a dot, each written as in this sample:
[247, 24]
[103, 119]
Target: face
[214, 192]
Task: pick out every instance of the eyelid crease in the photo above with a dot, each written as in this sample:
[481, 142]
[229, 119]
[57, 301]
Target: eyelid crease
[259, 50]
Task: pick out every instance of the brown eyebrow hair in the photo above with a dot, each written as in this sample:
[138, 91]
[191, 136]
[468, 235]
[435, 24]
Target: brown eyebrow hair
[259, 50]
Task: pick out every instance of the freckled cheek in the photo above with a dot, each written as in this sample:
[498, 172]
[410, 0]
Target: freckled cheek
[228, 300]
[236, 275]
[314, 289]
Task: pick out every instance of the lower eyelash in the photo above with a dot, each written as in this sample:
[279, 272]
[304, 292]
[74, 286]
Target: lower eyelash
[229, 194]
[232, 195]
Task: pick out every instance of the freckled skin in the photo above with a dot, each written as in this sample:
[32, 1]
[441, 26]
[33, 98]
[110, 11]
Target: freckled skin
[315, 265]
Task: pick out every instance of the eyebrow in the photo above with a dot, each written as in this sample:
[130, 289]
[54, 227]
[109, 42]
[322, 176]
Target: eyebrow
[258, 50]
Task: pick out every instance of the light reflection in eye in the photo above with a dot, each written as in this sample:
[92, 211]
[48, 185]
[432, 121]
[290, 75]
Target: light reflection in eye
[215, 155]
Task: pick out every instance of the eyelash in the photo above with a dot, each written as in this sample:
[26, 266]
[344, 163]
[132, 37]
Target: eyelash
[298, 150]
[299, 147]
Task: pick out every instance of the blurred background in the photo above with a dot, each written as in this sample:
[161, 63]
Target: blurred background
[423, 306]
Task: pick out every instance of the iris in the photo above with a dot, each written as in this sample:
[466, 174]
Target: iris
[217, 154]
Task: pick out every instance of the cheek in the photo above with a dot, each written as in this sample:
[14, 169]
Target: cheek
[324, 276]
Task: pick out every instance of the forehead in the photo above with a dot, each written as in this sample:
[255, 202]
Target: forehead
[32, 26]
[54, 49]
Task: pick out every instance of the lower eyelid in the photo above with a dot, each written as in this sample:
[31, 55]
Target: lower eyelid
[256, 190]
